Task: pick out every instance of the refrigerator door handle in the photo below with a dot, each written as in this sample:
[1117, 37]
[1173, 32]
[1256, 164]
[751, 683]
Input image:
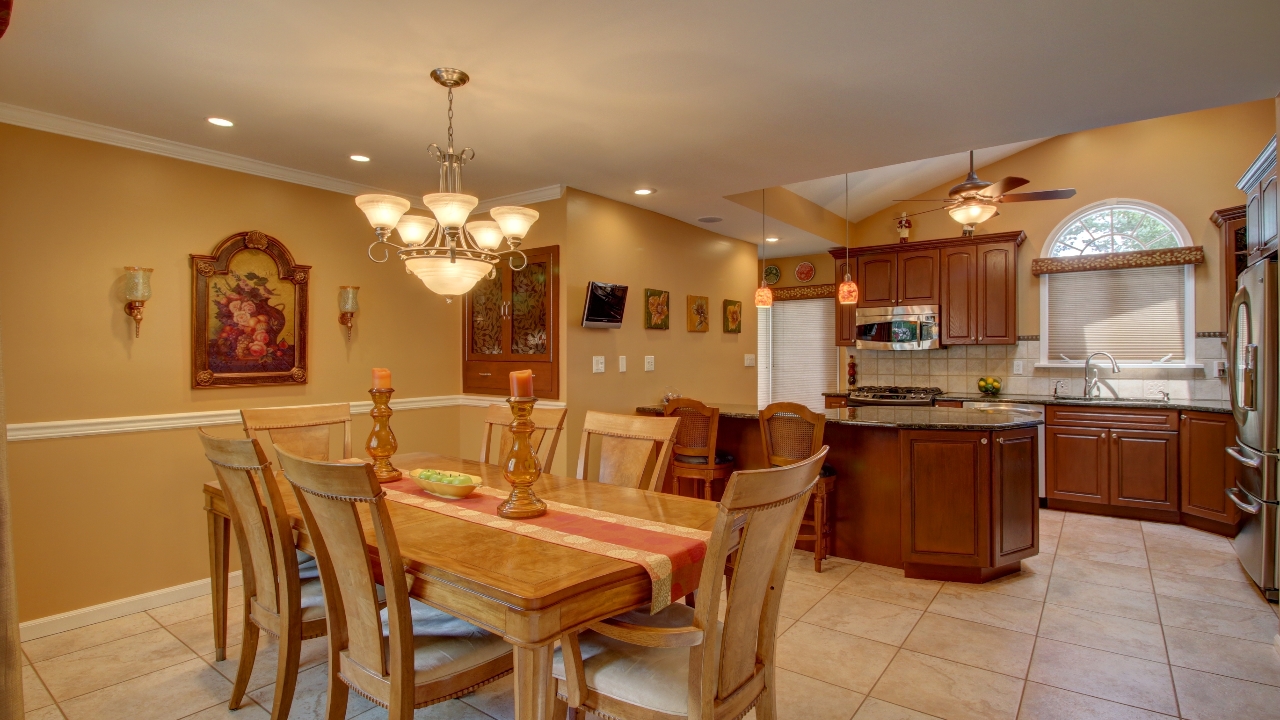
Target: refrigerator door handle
[1253, 508]
[1246, 461]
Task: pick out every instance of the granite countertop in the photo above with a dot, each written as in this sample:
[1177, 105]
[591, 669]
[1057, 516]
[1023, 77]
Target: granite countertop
[906, 418]
[1212, 406]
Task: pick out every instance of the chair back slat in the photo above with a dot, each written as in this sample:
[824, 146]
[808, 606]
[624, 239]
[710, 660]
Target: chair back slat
[304, 431]
[790, 432]
[696, 433]
[630, 444]
[545, 420]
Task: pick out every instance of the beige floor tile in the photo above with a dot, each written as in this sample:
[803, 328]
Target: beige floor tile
[1030, 586]
[1101, 551]
[195, 607]
[497, 699]
[1204, 696]
[34, 696]
[948, 689]
[1103, 599]
[1102, 573]
[174, 692]
[1164, 533]
[1195, 561]
[1044, 702]
[1240, 659]
[309, 696]
[783, 624]
[248, 710]
[1127, 535]
[850, 662]
[1039, 564]
[314, 652]
[1050, 526]
[1048, 543]
[50, 712]
[889, 585]
[1103, 632]
[1223, 592]
[873, 709]
[1120, 678]
[1075, 518]
[1229, 620]
[800, 697]
[197, 633]
[25, 660]
[84, 671]
[990, 648]
[88, 636]
[864, 617]
[798, 598]
[1047, 515]
[800, 570]
[449, 710]
[1011, 613]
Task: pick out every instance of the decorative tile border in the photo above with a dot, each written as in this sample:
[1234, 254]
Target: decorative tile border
[1193, 255]
[804, 292]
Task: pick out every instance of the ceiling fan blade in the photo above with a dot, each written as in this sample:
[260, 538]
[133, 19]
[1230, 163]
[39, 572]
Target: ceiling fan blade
[1039, 195]
[1002, 186]
[922, 212]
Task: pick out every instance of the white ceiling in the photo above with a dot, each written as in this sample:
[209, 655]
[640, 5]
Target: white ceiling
[692, 98]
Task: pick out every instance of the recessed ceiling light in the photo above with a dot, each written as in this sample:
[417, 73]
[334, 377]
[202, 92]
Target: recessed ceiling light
[709, 219]
[220, 122]
[646, 191]
[771, 239]
[360, 158]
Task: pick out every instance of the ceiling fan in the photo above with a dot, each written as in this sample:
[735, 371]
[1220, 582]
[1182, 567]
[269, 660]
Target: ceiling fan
[974, 201]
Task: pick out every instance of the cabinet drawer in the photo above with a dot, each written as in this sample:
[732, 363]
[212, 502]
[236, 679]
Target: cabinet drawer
[1120, 418]
[837, 402]
[493, 378]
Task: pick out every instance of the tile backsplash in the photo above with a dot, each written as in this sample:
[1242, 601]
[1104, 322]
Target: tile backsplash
[957, 369]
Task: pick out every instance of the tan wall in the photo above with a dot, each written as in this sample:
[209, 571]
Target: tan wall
[824, 267]
[96, 519]
[1187, 164]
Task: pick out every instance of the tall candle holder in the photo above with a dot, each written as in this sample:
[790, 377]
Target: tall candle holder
[382, 442]
[522, 467]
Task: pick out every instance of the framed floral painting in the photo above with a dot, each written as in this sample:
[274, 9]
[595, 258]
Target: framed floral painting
[249, 314]
[699, 313]
[733, 316]
[657, 309]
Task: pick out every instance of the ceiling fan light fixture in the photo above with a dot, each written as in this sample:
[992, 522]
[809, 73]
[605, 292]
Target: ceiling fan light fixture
[972, 212]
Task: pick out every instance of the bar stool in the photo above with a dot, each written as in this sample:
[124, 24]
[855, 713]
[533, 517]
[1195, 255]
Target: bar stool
[791, 433]
[695, 456]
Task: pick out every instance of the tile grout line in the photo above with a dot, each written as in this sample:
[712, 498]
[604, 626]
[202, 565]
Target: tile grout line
[1168, 660]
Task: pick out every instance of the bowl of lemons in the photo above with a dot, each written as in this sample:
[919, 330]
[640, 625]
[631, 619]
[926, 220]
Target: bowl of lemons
[445, 484]
[989, 385]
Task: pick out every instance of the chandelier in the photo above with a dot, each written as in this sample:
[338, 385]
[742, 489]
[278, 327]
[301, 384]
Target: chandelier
[447, 253]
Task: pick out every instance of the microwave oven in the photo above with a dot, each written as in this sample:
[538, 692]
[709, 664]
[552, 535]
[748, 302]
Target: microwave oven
[902, 327]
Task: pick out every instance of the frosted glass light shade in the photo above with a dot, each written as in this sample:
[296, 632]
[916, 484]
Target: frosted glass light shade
[451, 209]
[515, 221]
[487, 233]
[137, 284]
[414, 229]
[347, 301]
[847, 293]
[383, 211]
[972, 212]
[764, 296]
[448, 278]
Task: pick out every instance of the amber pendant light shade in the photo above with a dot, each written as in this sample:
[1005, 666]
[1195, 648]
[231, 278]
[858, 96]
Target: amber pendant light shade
[847, 293]
[764, 296]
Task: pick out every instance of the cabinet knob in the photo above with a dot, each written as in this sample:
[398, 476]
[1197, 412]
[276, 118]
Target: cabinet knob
[1000, 440]
[984, 441]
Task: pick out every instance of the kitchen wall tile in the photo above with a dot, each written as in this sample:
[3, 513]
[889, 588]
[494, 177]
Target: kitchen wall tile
[1178, 389]
[937, 366]
[975, 352]
[1017, 385]
[956, 366]
[919, 365]
[1038, 386]
[1210, 389]
[976, 365]
[1210, 349]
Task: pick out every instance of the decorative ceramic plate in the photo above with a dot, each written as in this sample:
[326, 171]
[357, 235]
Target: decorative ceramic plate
[772, 274]
[804, 272]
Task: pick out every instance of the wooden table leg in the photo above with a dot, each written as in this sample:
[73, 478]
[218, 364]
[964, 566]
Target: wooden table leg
[219, 565]
[535, 689]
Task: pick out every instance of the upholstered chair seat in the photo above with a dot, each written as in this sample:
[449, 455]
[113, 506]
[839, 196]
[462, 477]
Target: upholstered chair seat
[444, 645]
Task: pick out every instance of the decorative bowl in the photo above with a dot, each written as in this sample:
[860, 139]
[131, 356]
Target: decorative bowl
[450, 491]
[989, 385]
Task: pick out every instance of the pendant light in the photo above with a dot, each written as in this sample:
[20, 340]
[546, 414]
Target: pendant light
[764, 296]
[847, 293]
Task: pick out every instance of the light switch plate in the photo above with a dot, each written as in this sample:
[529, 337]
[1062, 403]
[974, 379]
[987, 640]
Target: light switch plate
[648, 363]
[1153, 388]
[1017, 367]
[597, 363]
[748, 360]
[622, 363]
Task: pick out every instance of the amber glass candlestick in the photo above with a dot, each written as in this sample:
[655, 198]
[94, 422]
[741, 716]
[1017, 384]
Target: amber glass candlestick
[382, 442]
[522, 467]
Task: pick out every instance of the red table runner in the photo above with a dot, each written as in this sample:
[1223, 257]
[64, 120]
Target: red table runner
[672, 555]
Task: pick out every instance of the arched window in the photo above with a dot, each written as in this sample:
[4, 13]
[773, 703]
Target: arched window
[1141, 315]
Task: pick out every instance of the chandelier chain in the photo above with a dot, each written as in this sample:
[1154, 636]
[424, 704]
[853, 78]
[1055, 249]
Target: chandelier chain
[450, 120]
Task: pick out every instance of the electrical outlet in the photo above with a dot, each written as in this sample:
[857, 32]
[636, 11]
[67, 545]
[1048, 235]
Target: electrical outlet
[648, 363]
[622, 363]
[1153, 388]
[748, 360]
[1219, 368]
[597, 363]
[1017, 367]
[1061, 387]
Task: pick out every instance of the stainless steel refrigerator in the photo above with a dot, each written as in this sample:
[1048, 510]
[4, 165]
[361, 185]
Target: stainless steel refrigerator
[1251, 337]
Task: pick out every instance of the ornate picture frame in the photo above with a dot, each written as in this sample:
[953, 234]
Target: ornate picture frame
[248, 314]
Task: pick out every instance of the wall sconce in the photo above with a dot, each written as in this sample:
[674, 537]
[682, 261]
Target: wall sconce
[137, 291]
[348, 305]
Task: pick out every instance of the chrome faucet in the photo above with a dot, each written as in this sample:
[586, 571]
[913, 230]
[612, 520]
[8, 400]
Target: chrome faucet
[1091, 388]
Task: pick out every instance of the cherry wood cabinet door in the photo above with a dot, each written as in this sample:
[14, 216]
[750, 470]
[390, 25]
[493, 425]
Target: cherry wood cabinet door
[918, 277]
[878, 280]
[846, 315]
[946, 497]
[510, 322]
[959, 270]
[1076, 464]
[1204, 466]
[997, 294]
[1015, 480]
[1144, 469]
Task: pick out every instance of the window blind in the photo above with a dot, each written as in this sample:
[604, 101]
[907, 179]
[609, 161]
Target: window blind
[1136, 314]
[801, 350]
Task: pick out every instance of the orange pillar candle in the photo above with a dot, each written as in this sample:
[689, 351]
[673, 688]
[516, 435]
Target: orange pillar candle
[381, 379]
[522, 383]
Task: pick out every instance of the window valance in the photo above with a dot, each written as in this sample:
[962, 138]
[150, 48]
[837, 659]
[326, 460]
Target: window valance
[1191, 255]
[804, 292]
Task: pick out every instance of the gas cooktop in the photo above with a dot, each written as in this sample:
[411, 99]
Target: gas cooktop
[892, 395]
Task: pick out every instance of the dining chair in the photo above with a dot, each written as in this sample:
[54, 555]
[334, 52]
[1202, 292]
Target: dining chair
[683, 664]
[792, 432]
[303, 430]
[281, 597]
[408, 655]
[627, 442]
[545, 420]
[694, 454]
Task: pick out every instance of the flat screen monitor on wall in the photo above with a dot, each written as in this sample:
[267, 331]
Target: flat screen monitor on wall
[605, 304]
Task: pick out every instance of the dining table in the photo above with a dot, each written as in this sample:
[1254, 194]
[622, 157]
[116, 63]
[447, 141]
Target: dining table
[527, 590]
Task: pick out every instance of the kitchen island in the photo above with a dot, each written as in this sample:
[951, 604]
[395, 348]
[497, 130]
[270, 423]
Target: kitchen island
[943, 493]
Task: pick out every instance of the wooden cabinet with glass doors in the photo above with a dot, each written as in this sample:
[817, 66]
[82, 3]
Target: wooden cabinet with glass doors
[511, 322]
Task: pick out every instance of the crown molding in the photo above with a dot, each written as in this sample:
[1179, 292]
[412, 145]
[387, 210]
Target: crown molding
[543, 194]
